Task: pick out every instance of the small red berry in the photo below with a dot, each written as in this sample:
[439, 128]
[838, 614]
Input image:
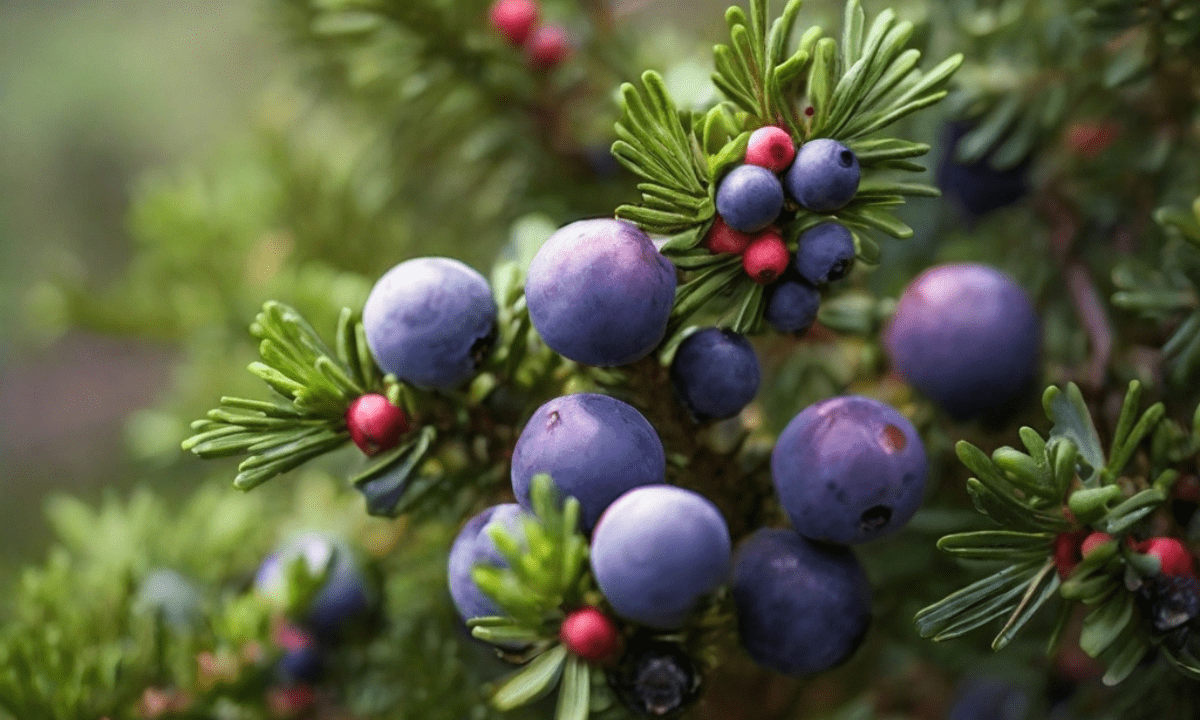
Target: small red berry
[590, 634]
[514, 19]
[1090, 139]
[375, 424]
[766, 258]
[1067, 551]
[548, 46]
[771, 147]
[724, 239]
[1093, 541]
[1174, 556]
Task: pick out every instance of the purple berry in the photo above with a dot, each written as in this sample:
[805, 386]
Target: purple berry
[848, 470]
[343, 600]
[824, 176]
[977, 187]
[656, 678]
[472, 546]
[802, 608]
[967, 337]
[792, 306]
[430, 321]
[657, 551]
[715, 373]
[594, 447]
[749, 198]
[599, 293]
[825, 253]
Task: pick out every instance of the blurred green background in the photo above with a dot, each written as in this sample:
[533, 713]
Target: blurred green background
[94, 93]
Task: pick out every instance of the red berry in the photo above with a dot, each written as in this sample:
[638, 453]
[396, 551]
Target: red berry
[1067, 551]
[766, 258]
[590, 634]
[548, 46]
[514, 19]
[1093, 541]
[1174, 556]
[375, 424]
[1091, 139]
[771, 147]
[724, 239]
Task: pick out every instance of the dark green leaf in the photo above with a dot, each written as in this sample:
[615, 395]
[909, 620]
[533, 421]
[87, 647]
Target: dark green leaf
[1073, 421]
[1040, 589]
[532, 682]
[575, 690]
[1105, 623]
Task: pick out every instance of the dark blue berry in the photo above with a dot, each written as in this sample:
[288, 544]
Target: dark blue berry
[824, 176]
[656, 679]
[990, 698]
[749, 198]
[594, 447]
[474, 545]
[848, 470]
[715, 373]
[657, 551]
[344, 599]
[802, 608]
[978, 187]
[430, 321]
[792, 306]
[967, 337]
[825, 253]
[599, 293]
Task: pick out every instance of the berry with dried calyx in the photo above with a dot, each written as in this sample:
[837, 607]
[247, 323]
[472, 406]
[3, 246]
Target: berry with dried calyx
[656, 678]
[375, 424]
[766, 258]
[771, 147]
[590, 634]
[825, 253]
[824, 176]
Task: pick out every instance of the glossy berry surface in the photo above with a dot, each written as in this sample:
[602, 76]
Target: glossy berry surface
[548, 47]
[715, 373]
[1173, 555]
[749, 198]
[848, 470]
[766, 258]
[723, 239]
[344, 599]
[594, 447]
[514, 19]
[656, 551]
[771, 147]
[430, 320]
[375, 424]
[824, 176]
[967, 337]
[656, 679]
[792, 306]
[590, 634]
[599, 293]
[825, 253]
[474, 545]
[802, 608]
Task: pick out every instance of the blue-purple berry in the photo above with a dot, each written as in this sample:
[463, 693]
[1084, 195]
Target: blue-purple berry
[599, 292]
[430, 321]
[749, 198]
[715, 373]
[825, 253]
[344, 599]
[969, 338]
[848, 470]
[657, 551]
[594, 447]
[802, 608]
[824, 176]
[474, 545]
[978, 187]
[792, 306]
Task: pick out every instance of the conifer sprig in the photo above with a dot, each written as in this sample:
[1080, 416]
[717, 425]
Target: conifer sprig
[314, 385]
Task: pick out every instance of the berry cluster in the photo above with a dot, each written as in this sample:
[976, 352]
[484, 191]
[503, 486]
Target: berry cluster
[821, 176]
[519, 21]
